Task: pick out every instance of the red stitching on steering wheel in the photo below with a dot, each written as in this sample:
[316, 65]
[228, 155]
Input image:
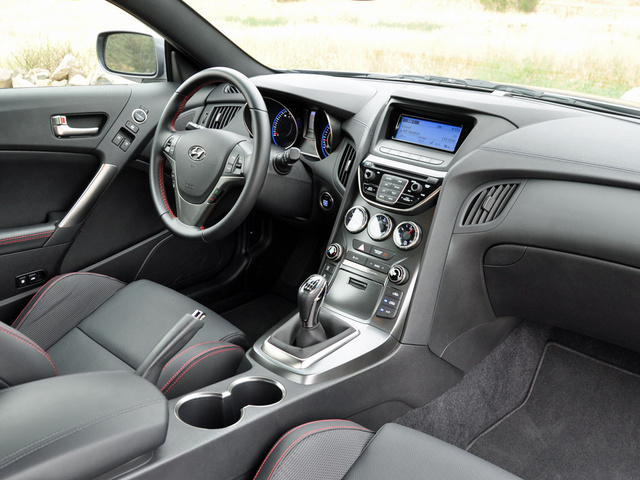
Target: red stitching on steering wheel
[162, 192]
[187, 98]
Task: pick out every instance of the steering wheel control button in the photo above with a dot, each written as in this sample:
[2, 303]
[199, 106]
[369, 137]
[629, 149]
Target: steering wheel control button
[170, 145]
[407, 236]
[213, 198]
[334, 252]
[398, 274]
[139, 116]
[356, 219]
[326, 201]
[382, 253]
[355, 257]
[380, 226]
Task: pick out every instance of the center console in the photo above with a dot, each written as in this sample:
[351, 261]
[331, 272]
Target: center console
[374, 256]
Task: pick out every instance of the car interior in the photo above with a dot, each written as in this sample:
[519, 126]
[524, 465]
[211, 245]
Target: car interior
[223, 271]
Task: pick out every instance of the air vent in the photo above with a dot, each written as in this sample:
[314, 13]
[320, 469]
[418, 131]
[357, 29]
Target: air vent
[489, 204]
[221, 116]
[348, 156]
[228, 88]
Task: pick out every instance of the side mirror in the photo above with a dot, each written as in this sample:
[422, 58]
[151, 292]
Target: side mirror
[135, 56]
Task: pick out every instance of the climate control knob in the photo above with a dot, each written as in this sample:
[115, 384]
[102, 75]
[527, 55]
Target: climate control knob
[398, 274]
[334, 252]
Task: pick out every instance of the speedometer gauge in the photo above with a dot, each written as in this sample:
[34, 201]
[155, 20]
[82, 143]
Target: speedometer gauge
[284, 129]
[326, 132]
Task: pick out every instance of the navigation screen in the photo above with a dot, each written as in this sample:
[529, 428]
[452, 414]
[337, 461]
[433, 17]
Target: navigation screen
[428, 134]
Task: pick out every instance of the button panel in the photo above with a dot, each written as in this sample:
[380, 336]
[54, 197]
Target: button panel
[402, 191]
[390, 303]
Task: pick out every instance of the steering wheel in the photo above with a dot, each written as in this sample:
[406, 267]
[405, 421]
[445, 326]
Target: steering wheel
[206, 163]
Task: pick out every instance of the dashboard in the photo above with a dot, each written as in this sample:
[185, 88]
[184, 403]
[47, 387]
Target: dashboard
[418, 183]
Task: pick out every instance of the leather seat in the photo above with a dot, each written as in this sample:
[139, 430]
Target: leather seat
[336, 449]
[85, 322]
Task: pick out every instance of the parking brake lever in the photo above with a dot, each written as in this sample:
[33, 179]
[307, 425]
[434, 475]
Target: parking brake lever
[169, 345]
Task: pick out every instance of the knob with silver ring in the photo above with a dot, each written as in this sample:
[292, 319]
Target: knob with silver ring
[407, 235]
[398, 274]
[334, 252]
[380, 226]
[356, 219]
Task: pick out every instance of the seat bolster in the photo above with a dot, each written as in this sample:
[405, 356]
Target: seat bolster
[62, 303]
[199, 365]
[401, 452]
[324, 449]
[21, 359]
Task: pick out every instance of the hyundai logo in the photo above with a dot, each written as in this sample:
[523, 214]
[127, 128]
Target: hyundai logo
[197, 153]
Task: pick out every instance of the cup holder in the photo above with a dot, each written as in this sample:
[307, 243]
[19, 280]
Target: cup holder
[212, 410]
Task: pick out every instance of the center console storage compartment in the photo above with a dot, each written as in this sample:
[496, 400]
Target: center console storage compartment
[211, 410]
[354, 295]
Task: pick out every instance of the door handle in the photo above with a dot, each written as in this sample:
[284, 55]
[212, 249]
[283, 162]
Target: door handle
[62, 129]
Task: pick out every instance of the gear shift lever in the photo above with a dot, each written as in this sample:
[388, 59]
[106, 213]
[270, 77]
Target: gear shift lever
[310, 297]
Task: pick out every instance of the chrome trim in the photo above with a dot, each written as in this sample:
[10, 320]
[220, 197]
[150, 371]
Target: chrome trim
[90, 196]
[415, 243]
[387, 234]
[67, 131]
[406, 167]
[300, 363]
[227, 393]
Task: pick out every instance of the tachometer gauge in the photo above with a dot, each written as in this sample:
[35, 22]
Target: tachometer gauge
[325, 142]
[284, 129]
[284, 124]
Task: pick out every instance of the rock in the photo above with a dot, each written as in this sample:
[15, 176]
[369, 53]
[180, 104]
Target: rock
[59, 83]
[100, 79]
[78, 81]
[5, 78]
[68, 63]
[44, 82]
[19, 82]
[18, 72]
[632, 95]
[39, 74]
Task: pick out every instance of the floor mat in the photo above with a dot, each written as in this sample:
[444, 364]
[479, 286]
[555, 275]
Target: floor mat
[256, 317]
[580, 420]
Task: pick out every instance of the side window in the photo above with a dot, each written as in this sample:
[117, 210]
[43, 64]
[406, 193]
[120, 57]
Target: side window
[53, 44]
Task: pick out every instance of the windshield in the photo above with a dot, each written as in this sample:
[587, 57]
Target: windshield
[590, 47]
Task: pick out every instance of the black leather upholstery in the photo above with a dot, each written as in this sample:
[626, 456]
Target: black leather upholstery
[336, 449]
[79, 426]
[83, 322]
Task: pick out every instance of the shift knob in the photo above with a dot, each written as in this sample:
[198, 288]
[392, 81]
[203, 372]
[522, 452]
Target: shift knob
[310, 297]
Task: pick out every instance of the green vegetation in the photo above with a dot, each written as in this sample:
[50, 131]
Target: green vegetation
[416, 26]
[526, 6]
[257, 22]
[46, 55]
[131, 53]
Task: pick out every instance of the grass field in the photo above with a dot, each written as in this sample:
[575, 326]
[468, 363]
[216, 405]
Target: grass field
[585, 45]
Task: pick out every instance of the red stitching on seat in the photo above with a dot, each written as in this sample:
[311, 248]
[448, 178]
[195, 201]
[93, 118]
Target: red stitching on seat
[36, 299]
[26, 238]
[335, 427]
[194, 346]
[232, 348]
[186, 99]
[290, 432]
[32, 345]
[162, 191]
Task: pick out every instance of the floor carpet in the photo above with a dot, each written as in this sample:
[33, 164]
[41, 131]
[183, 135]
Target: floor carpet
[580, 420]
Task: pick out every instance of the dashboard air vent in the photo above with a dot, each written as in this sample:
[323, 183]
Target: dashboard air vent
[221, 116]
[228, 88]
[488, 204]
[346, 162]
